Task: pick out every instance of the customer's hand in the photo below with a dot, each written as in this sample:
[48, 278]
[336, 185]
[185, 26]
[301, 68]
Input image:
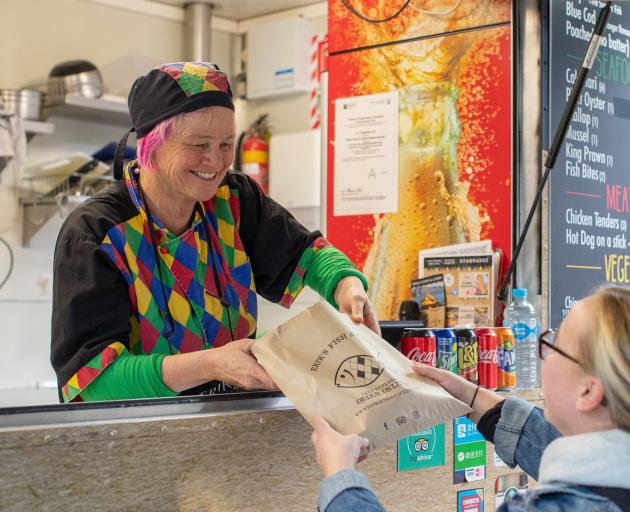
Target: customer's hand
[461, 389]
[235, 364]
[352, 299]
[336, 452]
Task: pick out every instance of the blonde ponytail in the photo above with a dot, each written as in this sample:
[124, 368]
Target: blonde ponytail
[605, 353]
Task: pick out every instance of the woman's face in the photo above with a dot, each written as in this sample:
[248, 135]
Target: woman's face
[197, 154]
[563, 379]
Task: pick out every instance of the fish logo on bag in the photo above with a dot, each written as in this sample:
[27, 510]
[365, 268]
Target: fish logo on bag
[358, 371]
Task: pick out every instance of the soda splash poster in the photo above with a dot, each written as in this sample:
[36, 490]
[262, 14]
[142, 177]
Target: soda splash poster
[453, 76]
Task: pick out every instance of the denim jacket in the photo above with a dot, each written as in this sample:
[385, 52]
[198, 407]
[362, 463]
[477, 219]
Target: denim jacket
[564, 471]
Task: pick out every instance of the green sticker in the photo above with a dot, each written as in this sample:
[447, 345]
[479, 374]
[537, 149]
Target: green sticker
[469, 455]
[422, 450]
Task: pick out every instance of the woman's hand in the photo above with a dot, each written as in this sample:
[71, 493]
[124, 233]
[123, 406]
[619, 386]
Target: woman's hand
[352, 299]
[235, 364]
[232, 363]
[461, 389]
[334, 451]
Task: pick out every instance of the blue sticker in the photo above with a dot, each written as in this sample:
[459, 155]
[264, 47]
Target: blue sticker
[465, 431]
[470, 500]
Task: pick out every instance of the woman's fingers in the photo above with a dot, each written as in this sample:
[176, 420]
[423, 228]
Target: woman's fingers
[234, 364]
[428, 371]
[259, 374]
[457, 386]
[245, 344]
[370, 318]
[357, 303]
[363, 448]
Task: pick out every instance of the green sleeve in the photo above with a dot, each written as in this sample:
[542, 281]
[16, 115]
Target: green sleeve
[129, 377]
[330, 266]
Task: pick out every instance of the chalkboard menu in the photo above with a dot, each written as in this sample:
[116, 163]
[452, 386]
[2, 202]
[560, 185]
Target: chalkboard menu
[590, 183]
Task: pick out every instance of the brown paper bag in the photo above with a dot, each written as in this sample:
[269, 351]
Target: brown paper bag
[328, 365]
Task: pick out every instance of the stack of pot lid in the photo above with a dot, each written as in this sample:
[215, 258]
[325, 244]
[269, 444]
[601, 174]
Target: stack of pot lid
[25, 103]
[74, 77]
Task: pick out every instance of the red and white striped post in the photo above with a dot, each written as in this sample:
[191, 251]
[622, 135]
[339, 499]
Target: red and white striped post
[319, 54]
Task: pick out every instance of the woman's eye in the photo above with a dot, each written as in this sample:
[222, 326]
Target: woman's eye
[226, 146]
[202, 146]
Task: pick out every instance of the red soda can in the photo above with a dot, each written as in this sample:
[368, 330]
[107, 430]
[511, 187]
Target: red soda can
[467, 356]
[419, 345]
[507, 359]
[488, 357]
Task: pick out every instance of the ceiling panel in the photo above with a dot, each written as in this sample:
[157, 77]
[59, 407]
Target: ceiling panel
[244, 9]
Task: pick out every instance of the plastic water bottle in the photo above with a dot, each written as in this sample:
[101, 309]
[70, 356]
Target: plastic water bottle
[520, 316]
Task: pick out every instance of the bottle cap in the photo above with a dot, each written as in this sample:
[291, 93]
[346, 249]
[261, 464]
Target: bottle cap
[520, 293]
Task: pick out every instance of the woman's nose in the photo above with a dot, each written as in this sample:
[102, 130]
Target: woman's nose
[210, 157]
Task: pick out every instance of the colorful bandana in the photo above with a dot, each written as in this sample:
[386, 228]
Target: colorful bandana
[171, 89]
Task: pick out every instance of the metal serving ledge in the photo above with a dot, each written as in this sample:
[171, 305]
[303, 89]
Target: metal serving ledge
[123, 411]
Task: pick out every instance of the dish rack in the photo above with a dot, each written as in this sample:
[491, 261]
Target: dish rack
[56, 188]
[75, 174]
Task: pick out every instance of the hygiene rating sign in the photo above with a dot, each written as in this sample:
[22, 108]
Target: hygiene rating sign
[469, 452]
[422, 450]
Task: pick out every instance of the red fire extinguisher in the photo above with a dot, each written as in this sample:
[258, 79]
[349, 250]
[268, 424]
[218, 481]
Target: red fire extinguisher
[255, 154]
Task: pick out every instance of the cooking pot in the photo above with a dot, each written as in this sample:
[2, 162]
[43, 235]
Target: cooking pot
[74, 77]
[25, 103]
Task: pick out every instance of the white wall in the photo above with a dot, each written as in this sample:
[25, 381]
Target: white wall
[288, 113]
[36, 35]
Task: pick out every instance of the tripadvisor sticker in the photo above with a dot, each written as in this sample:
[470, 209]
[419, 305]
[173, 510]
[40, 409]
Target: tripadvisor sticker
[422, 450]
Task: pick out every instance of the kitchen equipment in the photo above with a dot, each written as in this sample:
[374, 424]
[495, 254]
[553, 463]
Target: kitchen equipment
[73, 173]
[25, 103]
[74, 77]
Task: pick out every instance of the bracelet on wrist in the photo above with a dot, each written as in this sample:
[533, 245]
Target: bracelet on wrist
[473, 399]
[474, 396]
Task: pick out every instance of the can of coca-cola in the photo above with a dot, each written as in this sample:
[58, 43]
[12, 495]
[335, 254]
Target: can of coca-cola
[419, 345]
[488, 358]
[467, 357]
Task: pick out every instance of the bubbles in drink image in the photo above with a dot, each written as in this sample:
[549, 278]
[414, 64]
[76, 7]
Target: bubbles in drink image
[454, 140]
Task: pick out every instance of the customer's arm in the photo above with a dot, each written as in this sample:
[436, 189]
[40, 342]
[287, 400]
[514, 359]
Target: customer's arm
[343, 489]
[346, 491]
[518, 430]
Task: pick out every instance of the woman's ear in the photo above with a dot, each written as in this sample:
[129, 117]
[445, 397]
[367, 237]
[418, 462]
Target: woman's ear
[591, 395]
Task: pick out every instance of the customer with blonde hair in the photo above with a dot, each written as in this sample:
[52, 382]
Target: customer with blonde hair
[578, 448]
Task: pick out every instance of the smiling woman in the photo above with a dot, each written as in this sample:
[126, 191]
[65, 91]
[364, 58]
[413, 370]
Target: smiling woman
[167, 263]
[194, 155]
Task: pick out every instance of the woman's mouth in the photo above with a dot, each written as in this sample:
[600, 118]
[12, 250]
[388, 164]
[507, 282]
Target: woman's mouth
[204, 175]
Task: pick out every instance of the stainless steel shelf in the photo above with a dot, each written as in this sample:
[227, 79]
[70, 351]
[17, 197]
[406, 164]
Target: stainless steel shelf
[39, 127]
[96, 110]
[34, 127]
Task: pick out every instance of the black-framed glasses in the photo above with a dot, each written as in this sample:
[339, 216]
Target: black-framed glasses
[546, 344]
